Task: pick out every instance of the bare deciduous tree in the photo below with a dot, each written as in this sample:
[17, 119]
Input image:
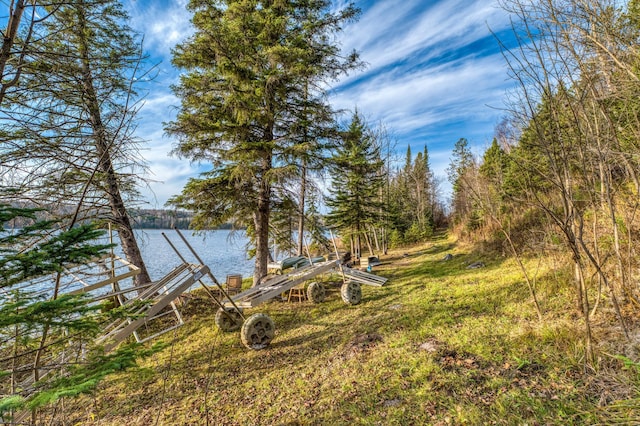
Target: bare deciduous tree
[69, 129]
[574, 63]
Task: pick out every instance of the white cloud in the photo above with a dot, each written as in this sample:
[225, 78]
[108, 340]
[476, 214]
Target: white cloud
[391, 32]
[164, 23]
[430, 95]
[160, 106]
[168, 179]
[432, 71]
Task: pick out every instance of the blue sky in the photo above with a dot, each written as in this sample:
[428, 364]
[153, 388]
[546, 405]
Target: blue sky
[434, 74]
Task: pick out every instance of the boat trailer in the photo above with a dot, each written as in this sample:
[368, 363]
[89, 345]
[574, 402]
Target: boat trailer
[149, 306]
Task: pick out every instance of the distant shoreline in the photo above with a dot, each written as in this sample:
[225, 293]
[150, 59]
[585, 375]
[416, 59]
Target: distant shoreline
[225, 227]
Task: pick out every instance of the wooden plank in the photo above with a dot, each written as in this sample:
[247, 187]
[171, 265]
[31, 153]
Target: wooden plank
[117, 293]
[127, 324]
[154, 289]
[111, 280]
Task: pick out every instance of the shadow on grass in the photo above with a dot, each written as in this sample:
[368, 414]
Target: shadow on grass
[423, 300]
[311, 370]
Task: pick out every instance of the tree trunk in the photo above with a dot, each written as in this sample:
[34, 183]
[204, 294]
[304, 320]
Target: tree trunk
[261, 222]
[352, 243]
[367, 239]
[102, 145]
[385, 245]
[7, 45]
[584, 305]
[301, 202]
[374, 231]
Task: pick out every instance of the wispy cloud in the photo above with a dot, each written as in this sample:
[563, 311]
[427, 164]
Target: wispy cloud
[434, 72]
[430, 94]
[167, 174]
[414, 30]
[164, 23]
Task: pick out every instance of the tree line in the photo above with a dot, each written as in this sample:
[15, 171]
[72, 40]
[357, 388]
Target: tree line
[560, 179]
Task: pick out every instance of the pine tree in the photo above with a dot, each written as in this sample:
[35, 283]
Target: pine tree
[421, 197]
[461, 167]
[461, 160]
[247, 106]
[356, 179]
[494, 163]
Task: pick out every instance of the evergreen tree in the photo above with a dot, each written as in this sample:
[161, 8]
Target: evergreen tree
[398, 220]
[494, 162]
[316, 227]
[461, 160]
[284, 220]
[460, 168]
[421, 196]
[408, 161]
[248, 106]
[356, 179]
[404, 182]
[45, 336]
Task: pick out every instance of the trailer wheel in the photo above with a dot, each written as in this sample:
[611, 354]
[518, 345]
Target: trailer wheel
[229, 321]
[316, 292]
[351, 293]
[257, 331]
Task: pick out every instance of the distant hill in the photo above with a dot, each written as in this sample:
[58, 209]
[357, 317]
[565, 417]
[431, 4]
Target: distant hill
[142, 218]
[164, 219]
[161, 219]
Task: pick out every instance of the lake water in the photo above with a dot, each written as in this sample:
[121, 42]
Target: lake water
[222, 251]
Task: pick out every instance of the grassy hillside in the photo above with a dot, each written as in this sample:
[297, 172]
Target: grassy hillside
[439, 344]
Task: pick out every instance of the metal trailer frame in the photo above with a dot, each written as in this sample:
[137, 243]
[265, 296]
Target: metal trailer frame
[282, 283]
[258, 330]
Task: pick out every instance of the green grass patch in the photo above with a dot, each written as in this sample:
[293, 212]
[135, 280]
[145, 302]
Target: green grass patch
[439, 344]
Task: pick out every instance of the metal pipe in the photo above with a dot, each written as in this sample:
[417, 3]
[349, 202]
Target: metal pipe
[213, 279]
[335, 247]
[206, 288]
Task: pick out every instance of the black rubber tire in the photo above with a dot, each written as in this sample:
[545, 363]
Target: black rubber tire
[316, 292]
[257, 331]
[351, 293]
[231, 321]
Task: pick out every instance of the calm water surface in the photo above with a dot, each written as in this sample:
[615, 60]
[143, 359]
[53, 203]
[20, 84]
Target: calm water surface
[221, 250]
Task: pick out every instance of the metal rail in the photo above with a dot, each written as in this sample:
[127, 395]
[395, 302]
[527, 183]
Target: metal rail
[282, 283]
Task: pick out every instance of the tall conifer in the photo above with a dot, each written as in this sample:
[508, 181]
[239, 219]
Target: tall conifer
[252, 105]
[69, 137]
[356, 179]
